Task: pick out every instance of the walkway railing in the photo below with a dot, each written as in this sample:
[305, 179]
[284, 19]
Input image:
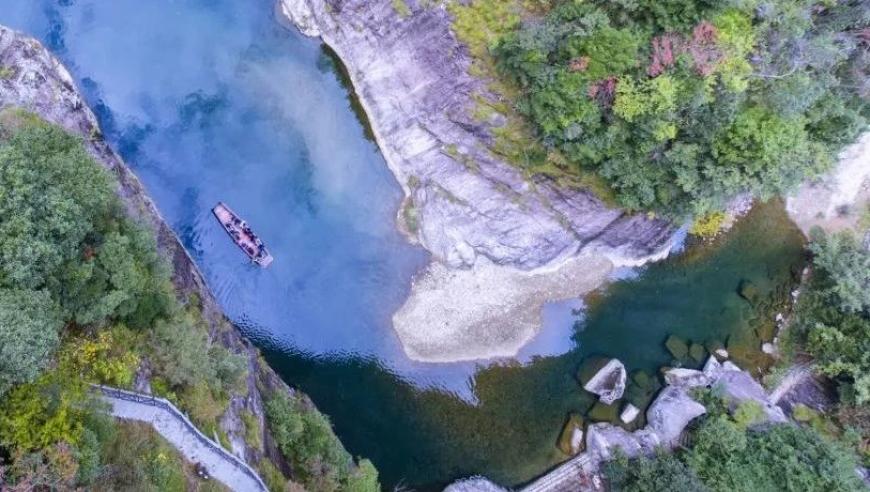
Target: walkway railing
[164, 404]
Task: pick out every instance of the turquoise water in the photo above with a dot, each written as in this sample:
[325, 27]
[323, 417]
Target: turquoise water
[212, 100]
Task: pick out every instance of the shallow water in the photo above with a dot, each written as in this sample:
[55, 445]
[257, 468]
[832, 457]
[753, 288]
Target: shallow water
[212, 100]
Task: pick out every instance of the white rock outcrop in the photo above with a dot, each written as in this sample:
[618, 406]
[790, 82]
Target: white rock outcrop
[609, 382]
[411, 76]
[629, 413]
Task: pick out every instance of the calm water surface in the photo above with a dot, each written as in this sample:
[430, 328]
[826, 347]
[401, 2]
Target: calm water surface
[212, 100]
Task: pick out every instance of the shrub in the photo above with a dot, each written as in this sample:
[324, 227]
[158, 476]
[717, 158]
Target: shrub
[729, 102]
[29, 325]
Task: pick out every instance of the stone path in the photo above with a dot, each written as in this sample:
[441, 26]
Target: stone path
[190, 442]
[568, 477]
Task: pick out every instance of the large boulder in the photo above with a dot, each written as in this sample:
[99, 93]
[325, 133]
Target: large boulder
[474, 484]
[608, 383]
[686, 378]
[602, 441]
[739, 386]
[671, 412]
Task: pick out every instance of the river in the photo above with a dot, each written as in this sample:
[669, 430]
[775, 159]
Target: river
[213, 100]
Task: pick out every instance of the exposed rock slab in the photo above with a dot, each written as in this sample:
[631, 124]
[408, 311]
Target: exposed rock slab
[835, 201]
[602, 441]
[739, 387]
[485, 311]
[609, 382]
[474, 484]
[671, 412]
[411, 76]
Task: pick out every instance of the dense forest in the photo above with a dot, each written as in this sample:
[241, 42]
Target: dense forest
[679, 105]
[85, 297]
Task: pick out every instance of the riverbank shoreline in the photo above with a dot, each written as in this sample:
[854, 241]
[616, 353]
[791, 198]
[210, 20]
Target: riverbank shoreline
[839, 199]
[39, 83]
[463, 204]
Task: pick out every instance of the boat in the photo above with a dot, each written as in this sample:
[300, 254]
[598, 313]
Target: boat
[242, 235]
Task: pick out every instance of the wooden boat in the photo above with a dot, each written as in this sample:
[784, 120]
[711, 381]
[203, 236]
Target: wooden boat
[242, 235]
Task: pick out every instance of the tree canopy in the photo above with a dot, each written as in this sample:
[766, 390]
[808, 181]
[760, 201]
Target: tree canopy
[682, 104]
[29, 326]
[62, 230]
[833, 314]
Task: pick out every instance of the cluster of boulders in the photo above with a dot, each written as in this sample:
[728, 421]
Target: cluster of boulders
[666, 418]
[674, 408]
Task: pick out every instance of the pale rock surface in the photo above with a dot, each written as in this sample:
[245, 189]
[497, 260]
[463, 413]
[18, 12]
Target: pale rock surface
[577, 440]
[739, 386]
[671, 412]
[460, 307]
[683, 377]
[411, 76]
[609, 382]
[629, 413]
[474, 484]
[712, 366]
[846, 186]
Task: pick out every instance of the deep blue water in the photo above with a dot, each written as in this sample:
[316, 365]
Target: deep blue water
[213, 100]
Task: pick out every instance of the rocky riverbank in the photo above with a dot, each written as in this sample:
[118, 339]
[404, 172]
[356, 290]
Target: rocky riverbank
[669, 414]
[466, 206]
[34, 80]
[839, 199]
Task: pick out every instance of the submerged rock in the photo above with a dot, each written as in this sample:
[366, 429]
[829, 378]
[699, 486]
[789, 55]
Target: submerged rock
[602, 441]
[603, 412]
[571, 438]
[749, 291]
[697, 352]
[686, 378]
[608, 383]
[677, 347]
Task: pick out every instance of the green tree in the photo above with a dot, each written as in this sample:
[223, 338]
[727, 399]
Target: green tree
[664, 472]
[847, 266]
[679, 105]
[305, 437]
[29, 326]
[51, 196]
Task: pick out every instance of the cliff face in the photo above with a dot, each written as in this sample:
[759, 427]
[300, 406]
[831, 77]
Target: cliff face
[36, 81]
[838, 199]
[411, 75]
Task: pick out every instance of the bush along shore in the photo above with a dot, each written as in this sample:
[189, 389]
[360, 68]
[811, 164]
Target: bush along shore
[95, 288]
